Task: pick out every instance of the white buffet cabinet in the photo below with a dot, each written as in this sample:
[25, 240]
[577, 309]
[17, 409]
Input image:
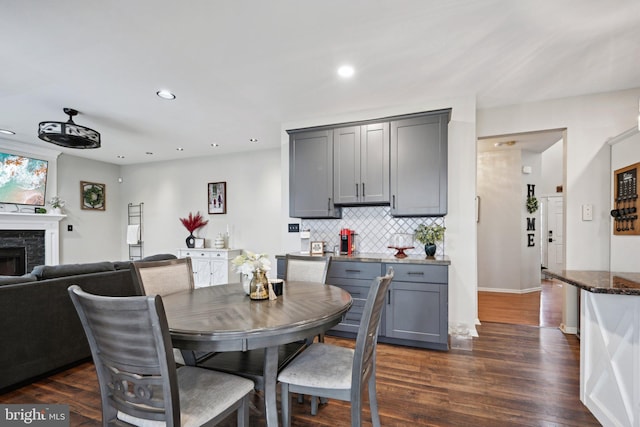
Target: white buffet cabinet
[212, 266]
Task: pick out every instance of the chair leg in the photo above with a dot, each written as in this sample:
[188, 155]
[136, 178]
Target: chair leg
[286, 405]
[300, 398]
[373, 401]
[243, 412]
[314, 405]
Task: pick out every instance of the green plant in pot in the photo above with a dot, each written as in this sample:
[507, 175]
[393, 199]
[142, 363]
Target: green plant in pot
[429, 235]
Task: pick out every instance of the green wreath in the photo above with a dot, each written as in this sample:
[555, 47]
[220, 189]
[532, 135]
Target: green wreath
[93, 196]
[532, 204]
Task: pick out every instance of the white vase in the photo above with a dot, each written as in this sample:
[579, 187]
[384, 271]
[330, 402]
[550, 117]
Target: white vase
[246, 283]
[56, 211]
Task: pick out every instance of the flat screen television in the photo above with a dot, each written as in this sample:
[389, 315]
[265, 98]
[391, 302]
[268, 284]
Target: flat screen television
[23, 180]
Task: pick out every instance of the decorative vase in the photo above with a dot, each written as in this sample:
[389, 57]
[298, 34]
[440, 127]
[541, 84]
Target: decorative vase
[246, 283]
[56, 211]
[219, 242]
[191, 241]
[430, 249]
[259, 288]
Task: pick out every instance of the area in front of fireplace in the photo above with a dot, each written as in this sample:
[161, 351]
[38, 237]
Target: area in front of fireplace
[21, 251]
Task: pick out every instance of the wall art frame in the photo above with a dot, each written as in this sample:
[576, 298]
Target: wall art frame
[217, 197]
[93, 196]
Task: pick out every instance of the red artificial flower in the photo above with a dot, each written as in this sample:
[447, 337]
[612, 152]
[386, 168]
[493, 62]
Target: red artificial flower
[193, 222]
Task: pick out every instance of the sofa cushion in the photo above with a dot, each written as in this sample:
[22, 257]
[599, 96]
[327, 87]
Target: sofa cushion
[43, 272]
[159, 257]
[10, 280]
[122, 265]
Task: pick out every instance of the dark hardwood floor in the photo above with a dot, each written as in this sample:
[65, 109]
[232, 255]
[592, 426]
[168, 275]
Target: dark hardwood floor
[513, 375]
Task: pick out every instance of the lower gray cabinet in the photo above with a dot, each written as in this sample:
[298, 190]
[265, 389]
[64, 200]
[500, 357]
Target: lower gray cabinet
[417, 306]
[416, 311]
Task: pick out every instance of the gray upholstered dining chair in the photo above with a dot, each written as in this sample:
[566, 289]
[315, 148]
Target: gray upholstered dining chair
[139, 383]
[307, 268]
[337, 372]
[162, 278]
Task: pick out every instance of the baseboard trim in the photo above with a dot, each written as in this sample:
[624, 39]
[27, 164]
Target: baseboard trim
[569, 330]
[510, 291]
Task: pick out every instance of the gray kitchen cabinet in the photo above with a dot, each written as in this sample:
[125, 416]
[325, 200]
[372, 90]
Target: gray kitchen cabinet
[417, 306]
[419, 165]
[311, 175]
[361, 164]
[355, 278]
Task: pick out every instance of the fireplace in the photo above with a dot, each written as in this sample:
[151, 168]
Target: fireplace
[37, 233]
[20, 251]
[12, 261]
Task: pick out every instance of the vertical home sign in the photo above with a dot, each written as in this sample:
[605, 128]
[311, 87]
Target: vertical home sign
[531, 222]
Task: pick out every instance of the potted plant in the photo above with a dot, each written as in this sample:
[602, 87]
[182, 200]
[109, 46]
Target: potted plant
[253, 268]
[56, 205]
[192, 223]
[429, 235]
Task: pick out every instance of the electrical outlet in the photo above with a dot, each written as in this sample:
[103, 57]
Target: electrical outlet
[294, 228]
[587, 212]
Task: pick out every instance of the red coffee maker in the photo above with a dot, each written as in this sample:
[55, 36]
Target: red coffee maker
[347, 241]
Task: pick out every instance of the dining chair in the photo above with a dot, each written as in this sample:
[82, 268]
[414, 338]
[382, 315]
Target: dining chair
[162, 278]
[331, 371]
[139, 383]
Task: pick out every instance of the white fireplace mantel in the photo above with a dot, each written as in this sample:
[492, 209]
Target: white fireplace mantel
[32, 221]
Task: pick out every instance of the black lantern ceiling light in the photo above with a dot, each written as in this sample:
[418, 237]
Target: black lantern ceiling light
[68, 134]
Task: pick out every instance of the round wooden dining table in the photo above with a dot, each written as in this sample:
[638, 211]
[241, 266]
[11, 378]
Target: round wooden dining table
[224, 318]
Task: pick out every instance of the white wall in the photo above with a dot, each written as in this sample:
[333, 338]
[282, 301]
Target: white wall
[170, 190]
[529, 255]
[590, 121]
[96, 234]
[460, 221]
[499, 225]
[505, 261]
[624, 249]
[552, 166]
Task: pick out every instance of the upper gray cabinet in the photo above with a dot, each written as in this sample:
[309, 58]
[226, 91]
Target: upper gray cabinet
[361, 164]
[419, 165]
[311, 175]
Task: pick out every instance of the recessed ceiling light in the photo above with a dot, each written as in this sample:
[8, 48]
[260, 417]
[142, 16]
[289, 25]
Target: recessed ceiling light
[214, 145]
[7, 132]
[346, 71]
[165, 94]
[148, 153]
[507, 143]
[120, 156]
[253, 140]
[180, 149]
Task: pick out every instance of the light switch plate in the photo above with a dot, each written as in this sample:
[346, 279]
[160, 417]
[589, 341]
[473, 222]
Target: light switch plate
[587, 212]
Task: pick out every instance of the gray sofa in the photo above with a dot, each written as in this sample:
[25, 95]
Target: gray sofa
[39, 328]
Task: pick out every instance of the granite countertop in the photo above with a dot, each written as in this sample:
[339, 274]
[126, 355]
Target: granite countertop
[385, 257]
[601, 282]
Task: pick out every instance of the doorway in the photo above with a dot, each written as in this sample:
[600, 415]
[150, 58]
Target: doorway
[512, 287]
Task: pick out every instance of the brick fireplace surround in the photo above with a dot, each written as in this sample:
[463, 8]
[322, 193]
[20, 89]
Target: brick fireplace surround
[37, 233]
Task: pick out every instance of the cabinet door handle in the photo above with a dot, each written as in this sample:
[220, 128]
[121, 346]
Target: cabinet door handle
[356, 190]
[329, 205]
[389, 299]
[353, 271]
[393, 205]
[363, 190]
[420, 273]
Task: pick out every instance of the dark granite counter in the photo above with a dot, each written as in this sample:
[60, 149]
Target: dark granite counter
[386, 257]
[600, 282]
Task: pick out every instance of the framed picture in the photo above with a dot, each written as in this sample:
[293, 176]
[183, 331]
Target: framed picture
[93, 196]
[217, 197]
[317, 248]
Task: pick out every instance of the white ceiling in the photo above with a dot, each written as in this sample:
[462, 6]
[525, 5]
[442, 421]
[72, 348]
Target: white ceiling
[537, 142]
[241, 68]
